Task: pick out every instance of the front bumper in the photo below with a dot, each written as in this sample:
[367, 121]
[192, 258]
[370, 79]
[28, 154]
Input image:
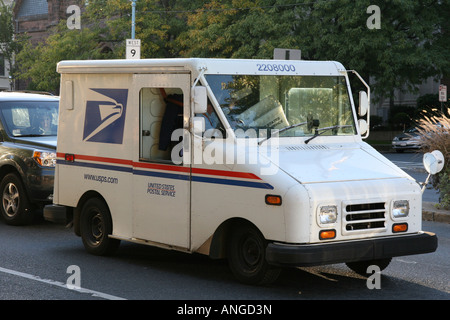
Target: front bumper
[405, 145]
[350, 251]
[39, 182]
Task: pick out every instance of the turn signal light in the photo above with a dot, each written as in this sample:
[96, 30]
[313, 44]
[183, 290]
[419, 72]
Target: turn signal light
[327, 234]
[400, 227]
[273, 200]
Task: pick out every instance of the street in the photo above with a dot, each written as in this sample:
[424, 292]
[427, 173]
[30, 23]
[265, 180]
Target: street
[45, 261]
[411, 163]
[35, 261]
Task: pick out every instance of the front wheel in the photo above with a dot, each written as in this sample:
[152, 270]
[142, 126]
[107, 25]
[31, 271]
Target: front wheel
[16, 209]
[95, 228]
[247, 257]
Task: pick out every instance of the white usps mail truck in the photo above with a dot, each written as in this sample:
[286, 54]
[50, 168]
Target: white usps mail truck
[261, 162]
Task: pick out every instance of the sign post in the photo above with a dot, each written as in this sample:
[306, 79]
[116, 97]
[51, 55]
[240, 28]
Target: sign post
[287, 54]
[133, 49]
[442, 95]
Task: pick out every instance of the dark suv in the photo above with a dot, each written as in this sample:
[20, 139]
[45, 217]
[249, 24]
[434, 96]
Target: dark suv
[28, 126]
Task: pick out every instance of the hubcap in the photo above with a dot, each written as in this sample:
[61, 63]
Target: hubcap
[10, 199]
[251, 252]
[97, 228]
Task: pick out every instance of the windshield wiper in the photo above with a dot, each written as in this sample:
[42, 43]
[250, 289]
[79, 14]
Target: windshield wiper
[325, 129]
[283, 129]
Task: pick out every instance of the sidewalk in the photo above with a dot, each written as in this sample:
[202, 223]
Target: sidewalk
[430, 213]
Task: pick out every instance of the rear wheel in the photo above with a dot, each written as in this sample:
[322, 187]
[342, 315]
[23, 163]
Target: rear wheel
[247, 257]
[95, 228]
[15, 208]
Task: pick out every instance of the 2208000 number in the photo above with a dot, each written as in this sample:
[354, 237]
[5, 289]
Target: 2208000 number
[275, 67]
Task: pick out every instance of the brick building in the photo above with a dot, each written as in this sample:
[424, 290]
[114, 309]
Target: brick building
[36, 17]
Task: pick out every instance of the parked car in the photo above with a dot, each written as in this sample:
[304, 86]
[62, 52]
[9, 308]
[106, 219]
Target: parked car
[28, 127]
[410, 139]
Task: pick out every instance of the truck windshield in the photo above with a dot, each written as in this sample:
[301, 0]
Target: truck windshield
[294, 106]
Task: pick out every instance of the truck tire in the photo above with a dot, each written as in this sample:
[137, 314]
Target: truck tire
[15, 208]
[95, 228]
[247, 257]
[360, 267]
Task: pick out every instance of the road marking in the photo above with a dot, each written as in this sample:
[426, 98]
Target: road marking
[406, 261]
[60, 284]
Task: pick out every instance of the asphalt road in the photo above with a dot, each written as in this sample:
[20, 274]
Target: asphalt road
[45, 261]
[35, 260]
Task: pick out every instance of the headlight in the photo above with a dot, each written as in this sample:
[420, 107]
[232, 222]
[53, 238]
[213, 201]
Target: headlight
[327, 214]
[45, 159]
[400, 209]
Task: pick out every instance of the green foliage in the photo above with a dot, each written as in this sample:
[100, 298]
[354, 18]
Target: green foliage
[436, 137]
[8, 45]
[239, 29]
[405, 50]
[38, 64]
[444, 189]
[398, 55]
[402, 117]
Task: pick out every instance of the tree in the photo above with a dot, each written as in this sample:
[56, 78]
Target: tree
[9, 45]
[408, 48]
[38, 64]
[104, 24]
[238, 29]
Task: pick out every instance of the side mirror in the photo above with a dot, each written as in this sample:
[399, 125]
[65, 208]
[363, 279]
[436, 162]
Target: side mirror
[363, 127]
[433, 161]
[200, 99]
[198, 126]
[363, 103]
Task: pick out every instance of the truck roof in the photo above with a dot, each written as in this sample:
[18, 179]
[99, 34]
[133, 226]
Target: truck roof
[211, 66]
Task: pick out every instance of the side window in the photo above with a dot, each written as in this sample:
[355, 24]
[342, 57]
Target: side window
[161, 113]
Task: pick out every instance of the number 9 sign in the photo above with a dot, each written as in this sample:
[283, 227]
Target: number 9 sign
[133, 50]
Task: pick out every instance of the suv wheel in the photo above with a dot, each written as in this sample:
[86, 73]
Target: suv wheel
[15, 206]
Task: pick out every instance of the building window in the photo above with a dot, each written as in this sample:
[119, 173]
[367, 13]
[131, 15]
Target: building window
[33, 7]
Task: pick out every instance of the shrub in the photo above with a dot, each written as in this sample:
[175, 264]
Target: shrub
[435, 132]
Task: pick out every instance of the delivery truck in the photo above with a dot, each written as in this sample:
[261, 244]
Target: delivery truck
[261, 162]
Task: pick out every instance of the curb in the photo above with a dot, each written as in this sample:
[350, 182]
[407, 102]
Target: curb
[431, 213]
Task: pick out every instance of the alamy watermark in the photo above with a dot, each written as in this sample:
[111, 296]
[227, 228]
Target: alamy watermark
[74, 280]
[374, 280]
[252, 147]
[374, 20]
[74, 20]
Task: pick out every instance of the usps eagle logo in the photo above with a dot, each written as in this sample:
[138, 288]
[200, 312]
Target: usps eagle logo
[105, 118]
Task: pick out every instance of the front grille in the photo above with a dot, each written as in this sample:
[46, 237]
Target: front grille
[364, 216]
